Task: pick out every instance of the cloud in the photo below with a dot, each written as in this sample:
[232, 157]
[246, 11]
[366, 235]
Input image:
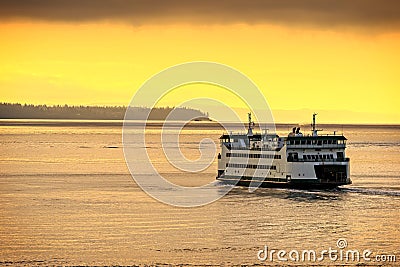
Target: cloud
[324, 13]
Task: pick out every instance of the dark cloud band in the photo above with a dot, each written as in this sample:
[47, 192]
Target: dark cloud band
[380, 13]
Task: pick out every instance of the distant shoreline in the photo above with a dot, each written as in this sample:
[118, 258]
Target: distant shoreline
[67, 112]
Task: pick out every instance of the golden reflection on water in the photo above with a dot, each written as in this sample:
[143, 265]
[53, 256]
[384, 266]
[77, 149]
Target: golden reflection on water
[67, 198]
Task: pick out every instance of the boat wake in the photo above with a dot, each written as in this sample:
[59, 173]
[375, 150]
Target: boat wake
[371, 191]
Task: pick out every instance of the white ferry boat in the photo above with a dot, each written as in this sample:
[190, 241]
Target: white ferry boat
[297, 161]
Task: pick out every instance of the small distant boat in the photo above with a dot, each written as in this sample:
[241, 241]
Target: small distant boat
[295, 161]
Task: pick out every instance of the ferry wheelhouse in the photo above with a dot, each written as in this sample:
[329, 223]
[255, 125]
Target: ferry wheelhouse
[297, 160]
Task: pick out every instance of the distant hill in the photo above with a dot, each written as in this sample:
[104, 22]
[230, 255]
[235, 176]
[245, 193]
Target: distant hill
[26, 111]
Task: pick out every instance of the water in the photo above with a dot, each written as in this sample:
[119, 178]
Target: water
[67, 198]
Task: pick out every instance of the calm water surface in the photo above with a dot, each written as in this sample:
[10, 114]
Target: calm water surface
[67, 198]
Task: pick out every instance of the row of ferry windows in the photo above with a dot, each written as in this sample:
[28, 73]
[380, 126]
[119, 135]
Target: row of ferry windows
[253, 156]
[315, 142]
[250, 166]
[326, 156]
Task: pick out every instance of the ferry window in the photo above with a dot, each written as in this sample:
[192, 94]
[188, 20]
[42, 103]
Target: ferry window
[334, 141]
[324, 156]
[319, 143]
[313, 156]
[304, 157]
[329, 142]
[308, 142]
[303, 142]
[308, 156]
[314, 142]
[325, 142]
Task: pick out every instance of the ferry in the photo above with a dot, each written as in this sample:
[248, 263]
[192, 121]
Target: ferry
[295, 161]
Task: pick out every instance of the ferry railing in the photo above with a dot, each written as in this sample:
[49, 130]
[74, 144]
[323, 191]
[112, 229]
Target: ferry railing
[316, 146]
[230, 147]
[318, 160]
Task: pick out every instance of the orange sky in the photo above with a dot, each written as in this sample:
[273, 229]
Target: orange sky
[296, 67]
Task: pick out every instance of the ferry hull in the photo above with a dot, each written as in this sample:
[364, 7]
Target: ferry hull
[298, 184]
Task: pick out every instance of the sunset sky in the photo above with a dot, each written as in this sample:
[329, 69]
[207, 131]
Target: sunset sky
[340, 57]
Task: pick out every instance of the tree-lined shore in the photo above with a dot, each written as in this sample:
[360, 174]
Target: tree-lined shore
[29, 111]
